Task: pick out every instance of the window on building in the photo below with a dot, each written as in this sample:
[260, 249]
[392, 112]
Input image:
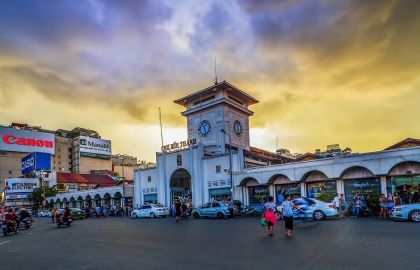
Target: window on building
[149, 179]
[179, 160]
[218, 168]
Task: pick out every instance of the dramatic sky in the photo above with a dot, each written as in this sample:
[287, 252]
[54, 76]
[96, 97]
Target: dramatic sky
[325, 72]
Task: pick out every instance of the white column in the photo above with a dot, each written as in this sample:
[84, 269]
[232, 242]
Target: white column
[340, 186]
[383, 184]
[303, 189]
[272, 190]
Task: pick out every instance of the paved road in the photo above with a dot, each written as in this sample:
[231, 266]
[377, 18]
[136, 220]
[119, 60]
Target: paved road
[121, 243]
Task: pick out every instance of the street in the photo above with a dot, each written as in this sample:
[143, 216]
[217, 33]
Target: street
[122, 243]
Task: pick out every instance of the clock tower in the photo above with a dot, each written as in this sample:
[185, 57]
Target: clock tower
[221, 106]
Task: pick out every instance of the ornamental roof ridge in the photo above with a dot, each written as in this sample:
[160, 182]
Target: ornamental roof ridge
[182, 101]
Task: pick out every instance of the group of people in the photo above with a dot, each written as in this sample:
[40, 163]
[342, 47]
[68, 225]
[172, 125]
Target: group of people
[13, 217]
[269, 215]
[181, 208]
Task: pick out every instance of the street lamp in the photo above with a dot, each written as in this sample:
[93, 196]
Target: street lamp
[230, 161]
[123, 199]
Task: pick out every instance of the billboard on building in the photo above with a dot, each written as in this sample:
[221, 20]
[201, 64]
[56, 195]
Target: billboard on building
[36, 162]
[93, 147]
[18, 140]
[21, 185]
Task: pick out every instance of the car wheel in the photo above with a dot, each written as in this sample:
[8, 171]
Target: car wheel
[220, 215]
[196, 215]
[152, 215]
[414, 216]
[319, 215]
[134, 215]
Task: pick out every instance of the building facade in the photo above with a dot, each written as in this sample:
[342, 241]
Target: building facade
[217, 161]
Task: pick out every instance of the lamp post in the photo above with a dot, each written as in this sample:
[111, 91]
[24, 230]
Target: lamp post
[230, 162]
[123, 198]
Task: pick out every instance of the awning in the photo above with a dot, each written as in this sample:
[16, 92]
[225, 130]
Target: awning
[219, 191]
[150, 197]
[399, 181]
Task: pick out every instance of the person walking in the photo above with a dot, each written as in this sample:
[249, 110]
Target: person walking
[287, 213]
[356, 206]
[342, 205]
[53, 214]
[382, 206]
[230, 207]
[269, 215]
[389, 203]
[178, 210]
[336, 204]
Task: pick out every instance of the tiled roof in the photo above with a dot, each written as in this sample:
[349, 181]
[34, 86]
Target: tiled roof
[101, 180]
[409, 142]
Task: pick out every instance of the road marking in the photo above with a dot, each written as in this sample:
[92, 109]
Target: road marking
[1, 243]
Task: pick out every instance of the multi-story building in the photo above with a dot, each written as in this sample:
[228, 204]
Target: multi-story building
[78, 151]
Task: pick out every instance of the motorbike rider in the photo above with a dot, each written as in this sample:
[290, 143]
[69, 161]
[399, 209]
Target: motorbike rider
[66, 214]
[12, 219]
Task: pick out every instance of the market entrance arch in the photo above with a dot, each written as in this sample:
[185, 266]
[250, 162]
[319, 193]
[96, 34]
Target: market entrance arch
[180, 185]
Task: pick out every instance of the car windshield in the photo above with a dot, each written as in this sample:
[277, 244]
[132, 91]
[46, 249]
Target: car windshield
[157, 205]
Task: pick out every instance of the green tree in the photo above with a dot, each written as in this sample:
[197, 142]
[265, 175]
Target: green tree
[37, 195]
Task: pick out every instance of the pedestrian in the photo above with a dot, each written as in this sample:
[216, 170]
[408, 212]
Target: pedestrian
[382, 206]
[178, 210]
[342, 205]
[184, 209]
[389, 203]
[269, 215]
[53, 214]
[230, 207]
[397, 199]
[336, 204]
[356, 206]
[287, 214]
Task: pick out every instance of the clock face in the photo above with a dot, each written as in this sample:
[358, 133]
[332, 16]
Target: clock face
[204, 128]
[237, 126]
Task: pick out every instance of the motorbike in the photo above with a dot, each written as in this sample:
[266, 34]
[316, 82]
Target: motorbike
[67, 222]
[25, 223]
[7, 228]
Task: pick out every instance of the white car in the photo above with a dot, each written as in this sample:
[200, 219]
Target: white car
[44, 213]
[313, 208]
[150, 210]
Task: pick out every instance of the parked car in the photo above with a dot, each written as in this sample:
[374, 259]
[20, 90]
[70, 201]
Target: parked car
[409, 212]
[77, 213]
[311, 208]
[44, 213]
[214, 209]
[150, 210]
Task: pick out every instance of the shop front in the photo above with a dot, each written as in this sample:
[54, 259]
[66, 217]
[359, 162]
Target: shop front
[219, 194]
[407, 188]
[258, 194]
[322, 190]
[150, 198]
[284, 186]
[368, 189]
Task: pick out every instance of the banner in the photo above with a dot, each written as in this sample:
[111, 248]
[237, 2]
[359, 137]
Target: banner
[93, 147]
[21, 185]
[36, 162]
[18, 140]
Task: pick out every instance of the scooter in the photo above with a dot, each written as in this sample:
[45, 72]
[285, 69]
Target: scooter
[25, 223]
[67, 222]
[7, 228]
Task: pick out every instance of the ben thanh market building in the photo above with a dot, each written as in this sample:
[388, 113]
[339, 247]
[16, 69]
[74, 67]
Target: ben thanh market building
[217, 161]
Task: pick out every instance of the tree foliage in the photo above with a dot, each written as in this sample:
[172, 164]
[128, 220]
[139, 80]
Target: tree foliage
[37, 195]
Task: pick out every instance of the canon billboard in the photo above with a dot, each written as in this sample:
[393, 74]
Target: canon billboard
[17, 140]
